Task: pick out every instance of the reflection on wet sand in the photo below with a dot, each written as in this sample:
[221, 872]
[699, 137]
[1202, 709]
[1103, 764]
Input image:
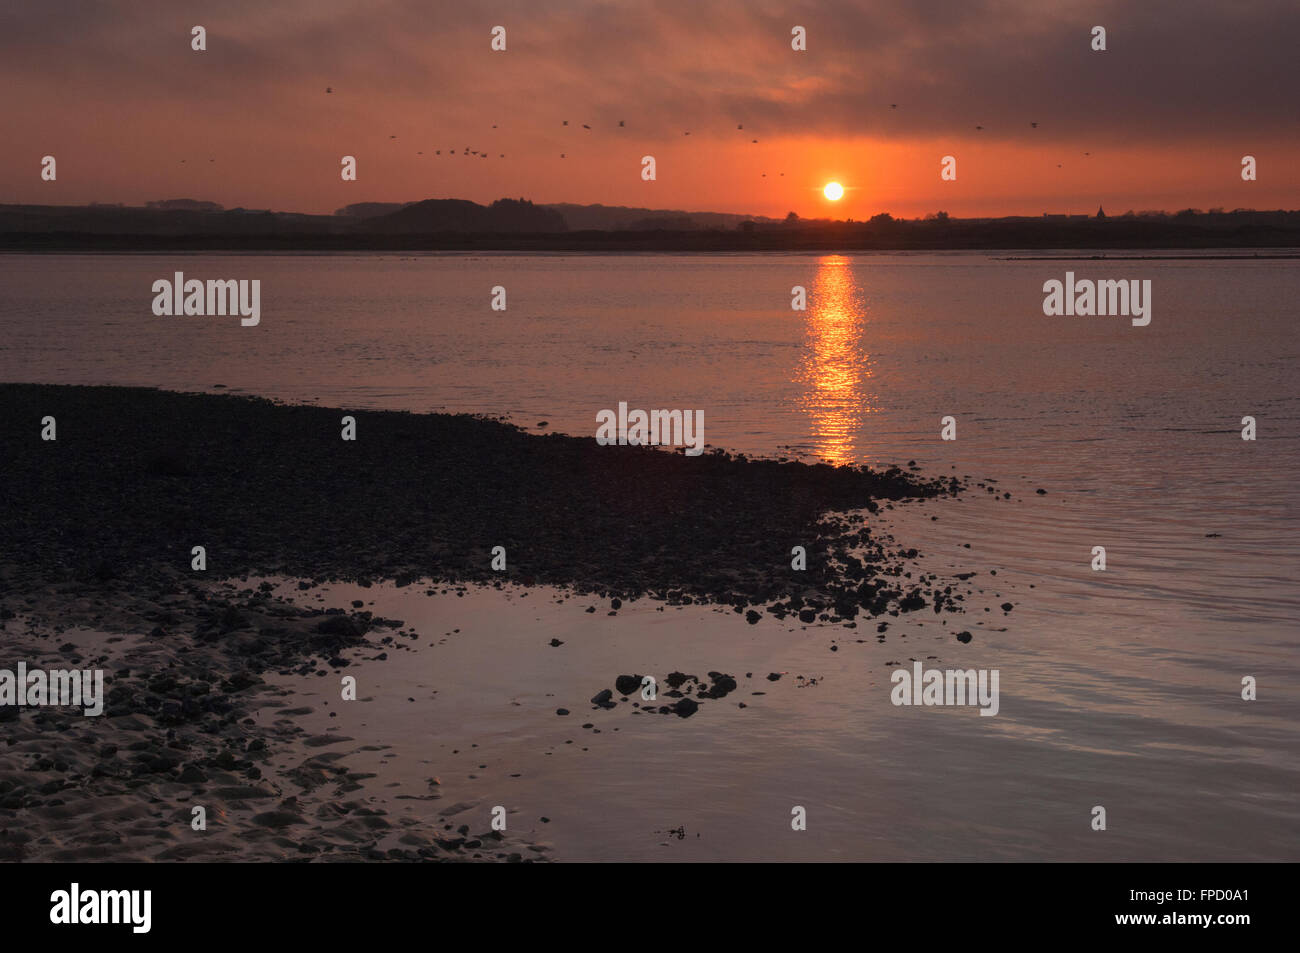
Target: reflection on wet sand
[836, 369]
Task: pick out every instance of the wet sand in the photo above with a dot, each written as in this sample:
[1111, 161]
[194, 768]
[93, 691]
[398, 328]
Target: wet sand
[203, 667]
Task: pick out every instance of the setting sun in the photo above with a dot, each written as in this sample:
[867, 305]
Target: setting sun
[833, 191]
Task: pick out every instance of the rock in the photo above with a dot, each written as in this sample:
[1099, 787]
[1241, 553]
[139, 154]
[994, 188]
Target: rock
[627, 684]
[339, 625]
[603, 699]
[963, 637]
[685, 708]
[723, 685]
[561, 711]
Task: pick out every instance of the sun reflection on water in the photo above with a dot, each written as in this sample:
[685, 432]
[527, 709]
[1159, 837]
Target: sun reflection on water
[836, 370]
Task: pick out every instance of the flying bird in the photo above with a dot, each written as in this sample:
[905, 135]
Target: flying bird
[979, 127]
[893, 105]
[329, 89]
[561, 155]
[585, 126]
[566, 122]
[740, 127]
[620, 122]
[753, 140]
[1034, 124]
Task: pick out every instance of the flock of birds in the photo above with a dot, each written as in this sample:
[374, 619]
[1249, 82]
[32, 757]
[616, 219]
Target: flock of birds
[468, 152]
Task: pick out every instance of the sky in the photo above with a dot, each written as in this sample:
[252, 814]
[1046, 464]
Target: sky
[1160, 120]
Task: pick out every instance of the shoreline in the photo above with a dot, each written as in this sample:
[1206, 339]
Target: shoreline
[96, 530]
[428, 495]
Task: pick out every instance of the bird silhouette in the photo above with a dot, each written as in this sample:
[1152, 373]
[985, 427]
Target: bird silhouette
[686, 134]
[503, 155]
[329, 89]
[437, 152]
[893, 105]
[494, 125]
[753, 140]
[392, 137]
[620, 122]
[979, 127]
[585, 126]
[566, 122]
[561, 155]
[1034, 124]
[739, 126]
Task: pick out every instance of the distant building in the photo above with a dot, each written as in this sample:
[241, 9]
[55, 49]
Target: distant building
[1101, 212]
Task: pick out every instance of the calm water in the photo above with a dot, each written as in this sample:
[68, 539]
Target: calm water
[1119, 687]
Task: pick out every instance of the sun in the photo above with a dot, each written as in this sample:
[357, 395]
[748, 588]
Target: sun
[833, 191]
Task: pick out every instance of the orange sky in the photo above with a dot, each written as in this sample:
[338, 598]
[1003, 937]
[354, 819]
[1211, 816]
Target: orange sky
[1184, 90]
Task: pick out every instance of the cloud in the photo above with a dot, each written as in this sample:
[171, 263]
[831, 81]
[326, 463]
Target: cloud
[117, 82]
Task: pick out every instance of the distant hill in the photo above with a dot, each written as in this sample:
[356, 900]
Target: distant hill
[186, 205]
[370, 209]
[611, 218]
[121, 221]
[502, 217]
[517, 224]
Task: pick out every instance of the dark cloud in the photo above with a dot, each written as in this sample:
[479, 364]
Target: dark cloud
[111, 78]
[1174, 68]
